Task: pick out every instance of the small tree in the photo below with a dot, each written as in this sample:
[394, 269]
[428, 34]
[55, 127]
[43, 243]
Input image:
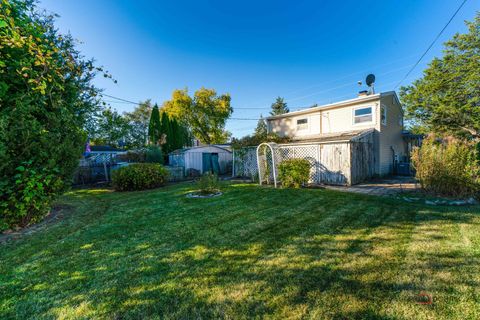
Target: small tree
[279, 107]
[155, 127]
[261, 129]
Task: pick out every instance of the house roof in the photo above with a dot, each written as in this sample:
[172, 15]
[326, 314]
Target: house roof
[343, 103]
[333, 137]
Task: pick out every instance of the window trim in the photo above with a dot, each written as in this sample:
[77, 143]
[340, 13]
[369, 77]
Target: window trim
[372, 107]
[383, 108]
[306, 124]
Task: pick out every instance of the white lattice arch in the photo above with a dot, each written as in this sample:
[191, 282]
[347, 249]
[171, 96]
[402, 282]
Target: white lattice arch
[273, 149]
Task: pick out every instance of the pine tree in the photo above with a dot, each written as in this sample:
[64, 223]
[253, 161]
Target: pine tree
[261, 129]
[279, 107]
[166, 132]
[154, 127]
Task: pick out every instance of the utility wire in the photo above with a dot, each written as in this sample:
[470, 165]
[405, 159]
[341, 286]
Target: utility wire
[431, 44]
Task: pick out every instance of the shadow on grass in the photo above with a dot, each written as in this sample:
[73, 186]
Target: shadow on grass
[254, 252]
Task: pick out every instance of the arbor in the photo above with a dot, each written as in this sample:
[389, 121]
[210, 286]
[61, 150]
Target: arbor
[139, 120]
[446, 99]
[46, 98]
[155, 127]
[279, 107]
[205, 113]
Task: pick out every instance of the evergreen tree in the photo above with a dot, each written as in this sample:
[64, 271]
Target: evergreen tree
[261, 129]
[154, 127]
[279, 107]
[166, 132]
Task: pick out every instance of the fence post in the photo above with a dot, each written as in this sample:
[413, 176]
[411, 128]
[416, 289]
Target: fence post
[233, 164]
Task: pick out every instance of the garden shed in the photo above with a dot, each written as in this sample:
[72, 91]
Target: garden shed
[202, 159]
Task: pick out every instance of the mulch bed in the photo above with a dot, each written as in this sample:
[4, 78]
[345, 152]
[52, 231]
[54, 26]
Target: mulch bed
[57, 212]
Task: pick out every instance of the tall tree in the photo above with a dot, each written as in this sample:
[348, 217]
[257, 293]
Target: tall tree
[261, 129]
[447, 98]
[155, 127]
[279, 107]
[139, 120]
[205, 113]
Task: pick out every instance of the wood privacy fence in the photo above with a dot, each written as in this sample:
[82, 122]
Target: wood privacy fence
[338, 163]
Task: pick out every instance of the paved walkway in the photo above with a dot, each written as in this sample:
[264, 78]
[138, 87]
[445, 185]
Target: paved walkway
[381, 187]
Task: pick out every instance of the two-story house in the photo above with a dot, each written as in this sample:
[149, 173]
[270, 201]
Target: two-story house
[379, 114]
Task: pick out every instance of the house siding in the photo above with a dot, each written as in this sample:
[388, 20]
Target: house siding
[390, 134]
[338, 118]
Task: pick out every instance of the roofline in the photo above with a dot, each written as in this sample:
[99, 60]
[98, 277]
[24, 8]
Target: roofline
[336, 105]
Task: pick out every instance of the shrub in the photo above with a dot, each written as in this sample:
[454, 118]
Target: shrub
[447, 167]
[139, 176]
[46, 98]
[28, 199]
[154, 155]
[294, 172]
[208, 183]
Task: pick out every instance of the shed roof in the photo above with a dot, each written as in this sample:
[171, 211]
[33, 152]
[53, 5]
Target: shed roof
[179, 151]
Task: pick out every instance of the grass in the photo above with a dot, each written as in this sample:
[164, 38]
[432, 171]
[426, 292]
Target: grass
[252, 252]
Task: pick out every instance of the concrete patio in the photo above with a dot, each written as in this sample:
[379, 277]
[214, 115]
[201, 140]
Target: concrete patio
[382, 187]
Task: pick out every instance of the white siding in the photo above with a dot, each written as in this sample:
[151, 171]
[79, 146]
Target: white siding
[194, 157]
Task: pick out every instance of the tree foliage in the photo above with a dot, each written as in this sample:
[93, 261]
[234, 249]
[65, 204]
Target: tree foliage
[111, 128]
[46, 98]
[138, 121]
[261, 129]
[205, 114]
[155, 127]
[446, 99]
[279, 107]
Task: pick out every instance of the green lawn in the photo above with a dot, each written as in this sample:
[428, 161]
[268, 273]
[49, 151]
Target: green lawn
[253, 252]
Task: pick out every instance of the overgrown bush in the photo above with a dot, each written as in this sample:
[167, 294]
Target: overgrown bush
[447, 167]
[46, 99]
[139, 176]
[208, 183]
[27, 200]
[293, 173]
[154, 155]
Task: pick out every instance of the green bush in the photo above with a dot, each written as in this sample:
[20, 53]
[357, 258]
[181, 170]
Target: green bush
[46, 100]
[208, 183]
[447, 167]
[28, 199]
[294, 173]
[154, 155]
[139, 176]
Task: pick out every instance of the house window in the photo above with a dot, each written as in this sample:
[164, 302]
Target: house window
[362, 115]
[302, 124]
[383, 115]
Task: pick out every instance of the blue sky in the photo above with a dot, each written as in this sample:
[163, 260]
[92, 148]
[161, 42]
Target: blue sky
[305, 51]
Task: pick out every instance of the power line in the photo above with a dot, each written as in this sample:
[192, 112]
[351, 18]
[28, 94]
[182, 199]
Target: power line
[117, 98]
[431, 44]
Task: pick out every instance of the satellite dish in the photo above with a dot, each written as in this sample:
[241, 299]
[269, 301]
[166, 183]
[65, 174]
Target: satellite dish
[370, 79]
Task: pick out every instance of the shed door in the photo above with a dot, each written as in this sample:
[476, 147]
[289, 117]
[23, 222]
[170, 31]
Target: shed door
[210, 163]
